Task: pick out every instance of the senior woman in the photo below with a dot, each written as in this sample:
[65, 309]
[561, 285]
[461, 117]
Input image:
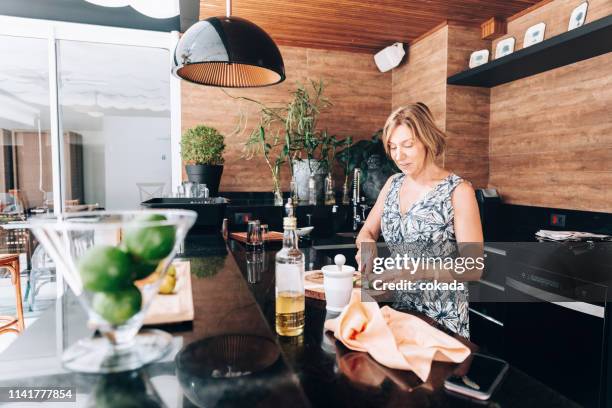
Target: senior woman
[424, 211]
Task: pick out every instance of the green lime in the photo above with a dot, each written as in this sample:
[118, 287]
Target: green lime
[117, 307]
[149, 243]
[105, 268]
[142, 269]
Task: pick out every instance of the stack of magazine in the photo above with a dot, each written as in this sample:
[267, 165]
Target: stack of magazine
[548, 235]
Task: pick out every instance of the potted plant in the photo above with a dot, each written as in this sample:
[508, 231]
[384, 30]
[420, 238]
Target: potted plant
[296, 123]
[202, 151]
[305, 139]
[370, 157]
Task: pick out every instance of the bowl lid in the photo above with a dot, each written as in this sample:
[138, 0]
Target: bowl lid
[333, 270]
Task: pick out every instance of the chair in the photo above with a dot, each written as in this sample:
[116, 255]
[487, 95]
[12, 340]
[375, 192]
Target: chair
[14, 324]
[148, 191]
[42, 272]
[16, 238]
[11, 203]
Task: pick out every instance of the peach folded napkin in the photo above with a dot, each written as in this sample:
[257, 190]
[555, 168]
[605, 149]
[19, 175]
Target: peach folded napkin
[394, 339]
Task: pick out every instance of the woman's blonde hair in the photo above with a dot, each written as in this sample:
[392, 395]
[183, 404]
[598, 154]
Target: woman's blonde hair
[419, 120]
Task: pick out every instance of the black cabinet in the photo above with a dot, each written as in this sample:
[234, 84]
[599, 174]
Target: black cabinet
[487, 333]
[487, 305]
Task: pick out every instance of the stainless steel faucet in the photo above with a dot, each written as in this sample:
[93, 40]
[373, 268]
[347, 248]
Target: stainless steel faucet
[359, 206]
[356, 199]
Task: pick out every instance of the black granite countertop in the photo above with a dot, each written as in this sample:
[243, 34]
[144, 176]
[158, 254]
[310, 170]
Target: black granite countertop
[230, 298]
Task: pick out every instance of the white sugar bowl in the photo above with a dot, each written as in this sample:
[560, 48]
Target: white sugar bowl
[337, 283]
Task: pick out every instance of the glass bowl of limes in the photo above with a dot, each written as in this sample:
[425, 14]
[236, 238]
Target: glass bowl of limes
[114, 262]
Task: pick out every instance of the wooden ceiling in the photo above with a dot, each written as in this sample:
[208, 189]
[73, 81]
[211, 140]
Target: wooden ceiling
[359, 25]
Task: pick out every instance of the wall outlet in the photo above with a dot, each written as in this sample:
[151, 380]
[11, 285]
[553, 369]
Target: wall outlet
[557, 220]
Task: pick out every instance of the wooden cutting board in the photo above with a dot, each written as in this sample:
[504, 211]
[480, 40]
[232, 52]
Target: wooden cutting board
[176, 307]
[270, 236]
[313, 284]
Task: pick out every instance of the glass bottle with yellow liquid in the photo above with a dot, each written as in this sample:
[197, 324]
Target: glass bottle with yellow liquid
[289, 273]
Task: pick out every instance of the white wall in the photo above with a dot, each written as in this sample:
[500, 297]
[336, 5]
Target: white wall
[128, 150]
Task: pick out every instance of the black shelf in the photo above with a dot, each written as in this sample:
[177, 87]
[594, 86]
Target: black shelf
[581, 43]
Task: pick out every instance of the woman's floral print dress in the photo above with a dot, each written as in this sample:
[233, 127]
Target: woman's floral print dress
[427, 230]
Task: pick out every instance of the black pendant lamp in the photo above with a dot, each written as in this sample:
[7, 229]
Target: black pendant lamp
[228, 52]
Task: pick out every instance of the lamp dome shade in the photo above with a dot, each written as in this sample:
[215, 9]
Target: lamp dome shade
[228, 52]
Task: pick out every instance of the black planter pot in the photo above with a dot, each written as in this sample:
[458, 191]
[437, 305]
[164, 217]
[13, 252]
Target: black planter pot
[205, 174]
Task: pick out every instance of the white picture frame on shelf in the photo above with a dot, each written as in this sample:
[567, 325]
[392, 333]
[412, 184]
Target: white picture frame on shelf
[504, 47]
[578, 16]
[478, 58]
[534, 34]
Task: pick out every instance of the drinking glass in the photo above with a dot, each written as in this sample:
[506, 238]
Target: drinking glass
[256, 263]
[264, 232]
[203, 192]
[114, 263]
[254, 238]
[190, 189]
[255, 247]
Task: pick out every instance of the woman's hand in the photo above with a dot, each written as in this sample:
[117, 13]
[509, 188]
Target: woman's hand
[367, 253]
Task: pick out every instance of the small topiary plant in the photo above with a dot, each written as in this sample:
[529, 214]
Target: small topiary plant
[202, 145]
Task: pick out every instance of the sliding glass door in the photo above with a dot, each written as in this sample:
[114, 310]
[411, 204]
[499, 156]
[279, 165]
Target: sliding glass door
[89, 116]
[115, 118]
[25, 138]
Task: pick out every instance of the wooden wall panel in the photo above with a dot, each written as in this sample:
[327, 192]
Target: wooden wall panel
[467, 131]
[461, 111]
[467, 111]
[551, 138]
[423, 75]
[551, 134]
[360, 93]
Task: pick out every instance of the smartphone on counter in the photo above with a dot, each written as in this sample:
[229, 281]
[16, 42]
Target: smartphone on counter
[484, 375]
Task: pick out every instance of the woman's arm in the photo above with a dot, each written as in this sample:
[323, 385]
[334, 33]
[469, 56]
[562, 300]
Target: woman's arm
[371, 227]
[467, 218]
[468, 229]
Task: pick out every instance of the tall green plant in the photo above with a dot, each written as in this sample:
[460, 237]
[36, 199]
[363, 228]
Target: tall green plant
[273, 150]
[301, 119]
[290, 130]
[346, 158]
[329, 147]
